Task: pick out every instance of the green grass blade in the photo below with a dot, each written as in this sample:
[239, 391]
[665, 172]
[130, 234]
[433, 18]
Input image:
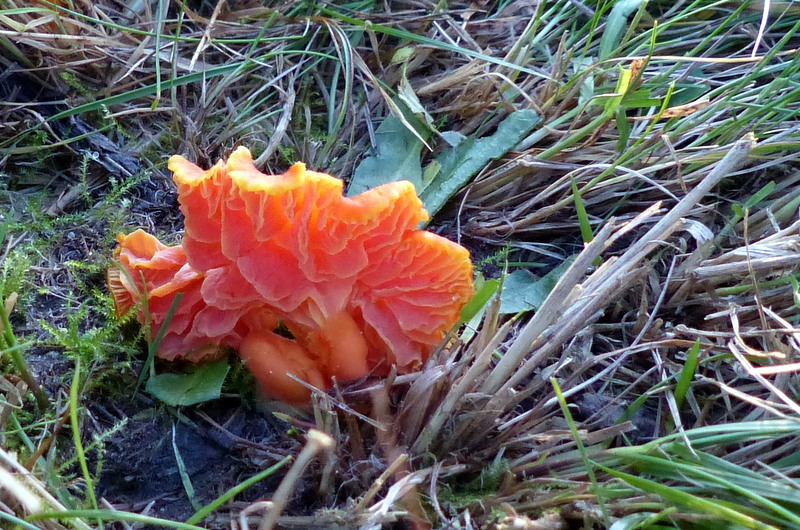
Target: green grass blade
[689, 500]
[76, 436]
[17, 521]
[580, 209]
[186, 480]
[152, 346]
[687, 373]
[111, 516]
[587, 463]
[233, 492]
[420, 39]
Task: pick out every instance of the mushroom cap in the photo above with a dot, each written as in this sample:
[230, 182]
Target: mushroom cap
[354, 281]
[293, 242]
[146, 266]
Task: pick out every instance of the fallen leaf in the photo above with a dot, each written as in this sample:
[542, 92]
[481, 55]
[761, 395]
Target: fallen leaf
[202, 383]
[460, 164]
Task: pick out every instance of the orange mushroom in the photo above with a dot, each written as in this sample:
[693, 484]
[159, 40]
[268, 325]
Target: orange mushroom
[145, 265]
[353, 281]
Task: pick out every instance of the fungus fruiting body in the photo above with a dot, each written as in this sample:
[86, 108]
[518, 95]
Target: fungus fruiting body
[351, 283]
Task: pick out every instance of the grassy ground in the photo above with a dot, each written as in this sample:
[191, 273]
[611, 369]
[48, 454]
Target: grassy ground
[624, 173]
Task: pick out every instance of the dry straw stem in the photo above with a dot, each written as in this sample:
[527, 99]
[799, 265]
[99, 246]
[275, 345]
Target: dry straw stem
[482, 355]
[572, 305]
[317, 443]
[767, 266]
[383, 509]
[601, 286]
[26, 499]
[395, 466]
[740, 350]
[37, 493]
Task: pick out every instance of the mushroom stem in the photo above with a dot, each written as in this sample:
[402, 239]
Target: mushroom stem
[271, 358]
[343, 347]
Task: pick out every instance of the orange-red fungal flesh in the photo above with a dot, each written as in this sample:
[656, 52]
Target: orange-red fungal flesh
[271, 358]
[358, 286]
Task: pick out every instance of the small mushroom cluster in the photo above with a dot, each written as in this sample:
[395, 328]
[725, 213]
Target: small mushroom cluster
[293, 275]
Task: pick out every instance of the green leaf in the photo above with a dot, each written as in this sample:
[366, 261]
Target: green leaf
[687, 374]
[688, 92]
[484, 291]
[615, 26]
[397, 157]
[640, 98]
[524, 291]
[203, 383]
[760, 195]
[461, 163]
[624, 128]
[399, 150]
[580, 210]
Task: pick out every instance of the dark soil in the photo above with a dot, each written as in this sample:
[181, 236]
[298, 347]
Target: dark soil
[50, 367]
[140, 470]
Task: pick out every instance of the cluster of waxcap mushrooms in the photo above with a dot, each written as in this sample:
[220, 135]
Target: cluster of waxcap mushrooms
[294, 276]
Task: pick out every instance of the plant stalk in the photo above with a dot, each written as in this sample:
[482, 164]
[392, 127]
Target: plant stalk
[13, 348]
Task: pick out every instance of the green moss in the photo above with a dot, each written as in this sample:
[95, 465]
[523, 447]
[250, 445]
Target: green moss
[15, 267]
[240, 380]
[72, 80]
[487, 483]
[288, 154]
